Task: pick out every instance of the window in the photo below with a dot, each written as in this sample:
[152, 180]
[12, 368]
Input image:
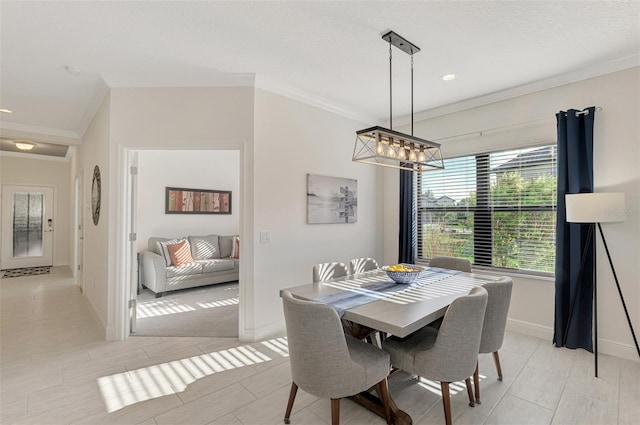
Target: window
[497, 209]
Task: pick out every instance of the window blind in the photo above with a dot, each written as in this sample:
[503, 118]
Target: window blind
[497, 209]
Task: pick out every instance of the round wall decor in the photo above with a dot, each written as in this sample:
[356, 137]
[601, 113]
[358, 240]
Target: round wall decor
[96, 190]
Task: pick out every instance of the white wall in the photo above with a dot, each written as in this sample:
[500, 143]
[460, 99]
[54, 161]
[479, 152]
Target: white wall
[98, 256]
[529, 120]
[45, 172]
[196, 169]
[291, 140]
[177, 119]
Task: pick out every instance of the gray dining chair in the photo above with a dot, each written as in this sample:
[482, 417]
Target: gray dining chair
[446, 355]
[327, 363]
[495, 322]
[451, 263]
[360, 265]
[328, 271]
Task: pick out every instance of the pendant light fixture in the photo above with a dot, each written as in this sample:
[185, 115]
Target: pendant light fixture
[389, 148]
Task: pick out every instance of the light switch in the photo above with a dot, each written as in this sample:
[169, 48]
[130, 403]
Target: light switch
[265, 236]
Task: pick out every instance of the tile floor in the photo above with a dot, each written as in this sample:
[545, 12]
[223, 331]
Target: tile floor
[57, 369]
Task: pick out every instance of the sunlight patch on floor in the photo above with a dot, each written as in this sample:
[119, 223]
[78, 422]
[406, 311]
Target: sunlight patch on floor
[454, 387]
[127, 388]
[165, 307]
[219, 303]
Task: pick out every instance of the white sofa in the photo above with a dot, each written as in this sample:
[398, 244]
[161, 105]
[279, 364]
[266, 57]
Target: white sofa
[213, 263]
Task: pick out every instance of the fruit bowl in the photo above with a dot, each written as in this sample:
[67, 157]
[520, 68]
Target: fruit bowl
[406, 274]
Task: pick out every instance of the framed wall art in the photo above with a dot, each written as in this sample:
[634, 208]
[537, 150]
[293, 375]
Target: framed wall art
[179, 200]
[331, 199]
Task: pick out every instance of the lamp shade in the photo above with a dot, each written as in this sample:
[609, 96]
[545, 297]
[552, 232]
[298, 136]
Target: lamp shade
[595, 207]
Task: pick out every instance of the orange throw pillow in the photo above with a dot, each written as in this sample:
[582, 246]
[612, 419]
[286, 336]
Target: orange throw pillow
[180, 253]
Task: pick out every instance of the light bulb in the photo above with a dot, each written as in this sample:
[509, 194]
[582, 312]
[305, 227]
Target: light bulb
[401, 154]
[412, 156]
[421, 157]
[380, 149]
[391, 153]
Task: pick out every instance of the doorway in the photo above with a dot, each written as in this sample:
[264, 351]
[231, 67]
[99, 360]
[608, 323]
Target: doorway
[27, 226]
[196, 169]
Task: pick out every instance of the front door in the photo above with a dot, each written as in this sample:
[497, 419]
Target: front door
[27, 226]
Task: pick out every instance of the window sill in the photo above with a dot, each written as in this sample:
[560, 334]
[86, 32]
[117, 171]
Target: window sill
[503, 272]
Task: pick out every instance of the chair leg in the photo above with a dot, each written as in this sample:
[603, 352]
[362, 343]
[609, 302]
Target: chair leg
[292, 397]
[476, 384]
[383, 391]
[335, 411]
[446, 402]
[470, 392]
[496, 360]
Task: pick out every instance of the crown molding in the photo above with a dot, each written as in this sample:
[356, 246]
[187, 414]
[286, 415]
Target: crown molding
[273, 86]
[34, 156]
[10, 130]
[598, 70]
[100, 92]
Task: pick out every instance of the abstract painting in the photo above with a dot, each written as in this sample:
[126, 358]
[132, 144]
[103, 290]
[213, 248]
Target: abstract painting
[331, 200]
[179, 200]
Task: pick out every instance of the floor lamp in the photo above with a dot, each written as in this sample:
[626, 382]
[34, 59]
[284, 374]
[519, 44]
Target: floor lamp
[596, 208]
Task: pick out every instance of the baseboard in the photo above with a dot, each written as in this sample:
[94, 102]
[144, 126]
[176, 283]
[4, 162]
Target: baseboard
[272, 330]
[605, 346]
[617, 349]
[532, 329]
[95, 315]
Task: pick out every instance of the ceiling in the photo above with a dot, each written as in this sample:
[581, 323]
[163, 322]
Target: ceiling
[331, 51]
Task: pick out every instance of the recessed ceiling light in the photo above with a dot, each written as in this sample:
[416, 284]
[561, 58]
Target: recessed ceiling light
[6, 111]
[448, 77]
[72, 70]
[24, 145]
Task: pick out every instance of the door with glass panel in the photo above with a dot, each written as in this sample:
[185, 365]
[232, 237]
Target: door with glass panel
[27, 226]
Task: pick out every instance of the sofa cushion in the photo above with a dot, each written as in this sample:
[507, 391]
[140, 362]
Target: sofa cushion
[185, 270]
[226, 246]
[152, 244]
[204, 247]
[180, 253]
[209, 266]
[162, 249]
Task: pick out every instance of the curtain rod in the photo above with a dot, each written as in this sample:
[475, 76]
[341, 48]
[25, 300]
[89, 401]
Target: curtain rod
[505, 127]
[586, 111]
[492, 130]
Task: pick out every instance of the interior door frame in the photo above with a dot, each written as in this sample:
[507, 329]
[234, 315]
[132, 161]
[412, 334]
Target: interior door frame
[29, 261]
[121, 325]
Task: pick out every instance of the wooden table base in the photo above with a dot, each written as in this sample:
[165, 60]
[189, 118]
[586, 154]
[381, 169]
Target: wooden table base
[366, 398]
[373, 403]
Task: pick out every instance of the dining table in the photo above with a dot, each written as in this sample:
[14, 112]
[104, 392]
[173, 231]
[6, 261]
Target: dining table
[371, 302]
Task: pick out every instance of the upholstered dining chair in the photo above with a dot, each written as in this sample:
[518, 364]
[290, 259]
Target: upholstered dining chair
[327, 271]
[451, 263]
[495, 322]
[445, 355]
[325, 362]
[359, 265]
